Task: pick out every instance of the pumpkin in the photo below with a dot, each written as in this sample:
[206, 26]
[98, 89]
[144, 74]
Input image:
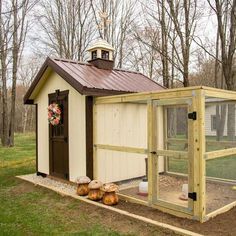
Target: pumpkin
[95, 193]
[110, 197]
[82, 187]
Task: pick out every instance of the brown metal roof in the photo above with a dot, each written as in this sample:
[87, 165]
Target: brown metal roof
[89, 80]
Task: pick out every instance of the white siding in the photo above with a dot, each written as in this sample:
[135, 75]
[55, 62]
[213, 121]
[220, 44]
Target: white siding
[210, 111]
[77, 137]
[121, 125]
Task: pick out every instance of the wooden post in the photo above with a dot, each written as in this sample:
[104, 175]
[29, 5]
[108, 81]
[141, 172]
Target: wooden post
[152, 157]
[196, 155]
[193, 161]
[201, 153]
[95, 164]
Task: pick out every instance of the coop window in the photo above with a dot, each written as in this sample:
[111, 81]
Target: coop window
[105, 55]
[213, 122]
[94, 54]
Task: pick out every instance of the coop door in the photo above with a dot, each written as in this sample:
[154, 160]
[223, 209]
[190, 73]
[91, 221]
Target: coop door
[174, 181]
[58, 138]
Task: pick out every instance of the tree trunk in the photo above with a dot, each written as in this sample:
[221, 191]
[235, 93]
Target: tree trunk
[220, 121]
[15, 52]
[3, 58]
[25, 118]
[231, 122]
[4, 138]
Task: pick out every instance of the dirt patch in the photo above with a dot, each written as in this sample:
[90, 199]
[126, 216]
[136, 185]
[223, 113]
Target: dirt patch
[22, 188]
[223, 224]
[72, 210]
[217, 194]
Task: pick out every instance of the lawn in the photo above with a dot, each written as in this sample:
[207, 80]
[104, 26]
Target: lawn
[220, 168]
[29, 210]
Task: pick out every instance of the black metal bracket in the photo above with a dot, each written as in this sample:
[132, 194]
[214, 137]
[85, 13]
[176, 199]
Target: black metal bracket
[41, 174]
[193, 115]
[193, 196]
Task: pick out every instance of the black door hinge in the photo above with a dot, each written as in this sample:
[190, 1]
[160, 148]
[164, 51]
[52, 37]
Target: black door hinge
[193, 196]
[193, 115]
[153, 152]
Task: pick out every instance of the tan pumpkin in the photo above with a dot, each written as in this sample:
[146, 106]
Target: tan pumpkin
[95, 193]
[110, 197]
[82, 187]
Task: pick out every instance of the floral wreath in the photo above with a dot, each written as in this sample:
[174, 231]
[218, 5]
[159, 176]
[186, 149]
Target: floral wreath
[54, 114]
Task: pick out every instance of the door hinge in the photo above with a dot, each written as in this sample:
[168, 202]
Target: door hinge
[66, 175]
[193, 115]
[153, 152]
[193, 196]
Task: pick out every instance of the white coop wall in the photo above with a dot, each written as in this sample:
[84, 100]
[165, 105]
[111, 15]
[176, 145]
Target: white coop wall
[120, 125]
[77, 152]
[211, 111]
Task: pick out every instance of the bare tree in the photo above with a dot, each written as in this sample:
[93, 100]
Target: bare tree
[5, 24]
[13, 29]
[183, 14]
[20, 28]
[226, 18]
[66, 27]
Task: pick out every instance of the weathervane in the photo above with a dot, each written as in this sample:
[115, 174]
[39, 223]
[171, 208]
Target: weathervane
[103, 26]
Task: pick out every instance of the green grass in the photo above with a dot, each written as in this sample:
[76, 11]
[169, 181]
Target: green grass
[220, 168]
[27, 210]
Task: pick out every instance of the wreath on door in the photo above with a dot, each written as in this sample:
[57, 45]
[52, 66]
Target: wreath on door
[54, 114]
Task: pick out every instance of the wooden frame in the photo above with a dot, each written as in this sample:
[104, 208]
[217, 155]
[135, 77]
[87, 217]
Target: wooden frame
[89, 135]
[195, 98]
[121, 148]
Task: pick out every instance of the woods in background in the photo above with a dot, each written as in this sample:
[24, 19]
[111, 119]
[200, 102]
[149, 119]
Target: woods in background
[177, 43]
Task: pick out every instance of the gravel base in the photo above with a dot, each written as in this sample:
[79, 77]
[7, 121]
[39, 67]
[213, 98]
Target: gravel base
[48, 182]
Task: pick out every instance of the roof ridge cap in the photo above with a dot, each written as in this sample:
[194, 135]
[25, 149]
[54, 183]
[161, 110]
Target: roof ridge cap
[69, 60]
[129, 71]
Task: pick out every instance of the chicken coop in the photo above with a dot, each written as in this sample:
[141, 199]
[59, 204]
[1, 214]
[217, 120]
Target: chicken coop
[182, 140]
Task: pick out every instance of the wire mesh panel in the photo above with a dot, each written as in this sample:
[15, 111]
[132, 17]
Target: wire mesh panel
[220, 133]
[177, 137]
[220, 124]
[173, 188]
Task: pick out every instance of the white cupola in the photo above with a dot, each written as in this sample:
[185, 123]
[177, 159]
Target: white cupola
[101, 54]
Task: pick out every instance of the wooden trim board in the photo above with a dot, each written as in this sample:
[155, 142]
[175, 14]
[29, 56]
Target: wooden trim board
[89, 136]
[173, 154]
[220, 210]
[121, 148]
[220, 153]
[36, 131]
[122, 212]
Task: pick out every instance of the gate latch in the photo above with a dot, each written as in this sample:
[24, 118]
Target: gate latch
[193, 196]
[193, 115]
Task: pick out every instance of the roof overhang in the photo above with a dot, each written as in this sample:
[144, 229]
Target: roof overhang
[46, 69]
